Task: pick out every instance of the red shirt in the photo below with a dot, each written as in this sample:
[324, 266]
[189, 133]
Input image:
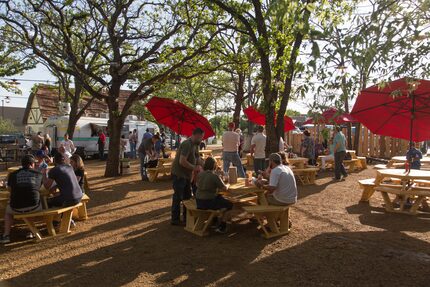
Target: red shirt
[102, 138]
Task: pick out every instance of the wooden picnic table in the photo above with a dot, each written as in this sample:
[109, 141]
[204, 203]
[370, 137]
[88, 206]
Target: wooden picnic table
[205, 152]
[299, 162]
[240, 189]
[404, 191]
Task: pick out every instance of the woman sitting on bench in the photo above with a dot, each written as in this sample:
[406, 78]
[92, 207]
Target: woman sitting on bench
[65, 180]
[207, 197]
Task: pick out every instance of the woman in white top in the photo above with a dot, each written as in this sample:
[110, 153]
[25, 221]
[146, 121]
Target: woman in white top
[68, 145]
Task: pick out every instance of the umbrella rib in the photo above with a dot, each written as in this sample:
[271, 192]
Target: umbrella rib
[377, 106]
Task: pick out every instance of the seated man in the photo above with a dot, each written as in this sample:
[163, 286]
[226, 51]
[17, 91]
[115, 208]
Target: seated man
[70, 192]
[207, 197]
[414, 157]
[24, 187]
[282, 188]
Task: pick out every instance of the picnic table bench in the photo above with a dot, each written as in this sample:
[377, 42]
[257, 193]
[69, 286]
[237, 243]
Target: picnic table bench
[278, 219]
[162, 168]
[48, 216]
[306, 176]
[199, 220]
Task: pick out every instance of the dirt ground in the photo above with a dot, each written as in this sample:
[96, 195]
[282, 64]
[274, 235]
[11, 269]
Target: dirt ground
[128, 241]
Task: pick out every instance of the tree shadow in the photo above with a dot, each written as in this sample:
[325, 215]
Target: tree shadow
[379, 218]
[182, 259]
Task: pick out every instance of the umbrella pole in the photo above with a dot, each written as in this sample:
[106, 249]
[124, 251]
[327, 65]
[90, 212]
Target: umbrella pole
[412, 120]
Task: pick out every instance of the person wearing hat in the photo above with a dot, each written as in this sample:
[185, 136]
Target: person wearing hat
[40, 160]
[230, 155]
[282, 188]
[70, 193]
[24, 185]
[339, 150]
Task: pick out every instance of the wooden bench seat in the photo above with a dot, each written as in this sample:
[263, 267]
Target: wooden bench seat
[153, 173]
[416, 194]
[278, 219]
[351, 164]
[199, 220]
[48, 216]
[306, 176]
[368, 187]
[80, 213]
[362, 162]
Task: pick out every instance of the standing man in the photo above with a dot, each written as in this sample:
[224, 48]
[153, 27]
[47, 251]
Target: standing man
[339, 143]
[147, 155]
[68, 144]
[37, 142]
[258, 150]
[230, 143]
[308, 147]
[132, 139]
[147, 135]
[186, 161]
[101, 143]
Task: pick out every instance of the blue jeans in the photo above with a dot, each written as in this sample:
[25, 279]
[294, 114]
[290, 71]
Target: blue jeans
[181, 192]
[132, 150]
[142, 166]
[259, 164]
[339, 168]
[233, 157]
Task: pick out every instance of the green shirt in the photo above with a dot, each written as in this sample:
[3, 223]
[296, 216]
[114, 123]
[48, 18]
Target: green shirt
[191, 152]
[208, 184]
[341, 140]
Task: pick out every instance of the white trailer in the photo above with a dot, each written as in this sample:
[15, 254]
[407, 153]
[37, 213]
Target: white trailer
[85, 136]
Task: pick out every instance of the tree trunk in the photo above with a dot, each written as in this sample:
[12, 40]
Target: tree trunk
[272, 141]
[115, 125]
[346, 107]
[238, 99]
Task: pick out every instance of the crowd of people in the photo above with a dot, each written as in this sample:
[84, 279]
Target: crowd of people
[203, 179]
[64, 182]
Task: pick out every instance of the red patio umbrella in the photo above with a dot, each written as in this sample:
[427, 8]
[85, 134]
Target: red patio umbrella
[260, 119]
[400, 109]
[178, 117]
[332, 116]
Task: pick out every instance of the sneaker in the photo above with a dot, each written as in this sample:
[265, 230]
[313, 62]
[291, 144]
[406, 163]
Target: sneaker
[72, 224]
[222, 228]
[29, 235]
[177, 223]
[4, 239]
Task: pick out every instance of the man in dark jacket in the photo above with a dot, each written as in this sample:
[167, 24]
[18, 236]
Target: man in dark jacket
[24, 187]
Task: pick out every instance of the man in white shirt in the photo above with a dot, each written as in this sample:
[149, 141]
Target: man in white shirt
[282, 188]
[230, 143]
[258, 150]
[68, 145]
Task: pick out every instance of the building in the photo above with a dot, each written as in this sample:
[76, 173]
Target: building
[44, 101]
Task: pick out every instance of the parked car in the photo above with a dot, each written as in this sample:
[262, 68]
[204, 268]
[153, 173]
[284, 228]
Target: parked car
[12, 139]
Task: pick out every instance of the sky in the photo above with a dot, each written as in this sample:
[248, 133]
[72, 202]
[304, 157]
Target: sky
[41, 75]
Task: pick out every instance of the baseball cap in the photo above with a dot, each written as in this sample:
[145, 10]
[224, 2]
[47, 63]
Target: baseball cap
[27, 160]
[275, 157]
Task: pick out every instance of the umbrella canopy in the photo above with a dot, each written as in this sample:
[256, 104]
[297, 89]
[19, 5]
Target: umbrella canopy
[400, 109]
[178, 117]
[260, 119]
[332, 116]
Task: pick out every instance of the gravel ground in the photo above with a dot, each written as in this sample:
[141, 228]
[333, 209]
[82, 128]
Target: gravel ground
[128, 241]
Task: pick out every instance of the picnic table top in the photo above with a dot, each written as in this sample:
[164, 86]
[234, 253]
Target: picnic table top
[403, 159]
[400, 173]
[297, 159]
[205, 151]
